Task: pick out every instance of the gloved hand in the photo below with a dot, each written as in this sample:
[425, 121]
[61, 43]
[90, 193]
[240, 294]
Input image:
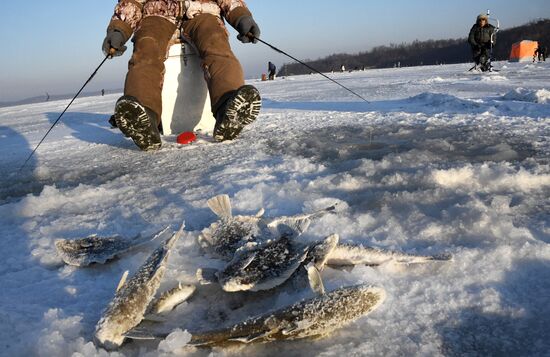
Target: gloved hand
[246, 25]
[114, 39]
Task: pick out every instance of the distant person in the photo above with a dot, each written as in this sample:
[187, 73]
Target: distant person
[102, 92]
[154, 25]
[272, 69]
[47, 97]
[540, 53]
[342, 68]
[482, 38]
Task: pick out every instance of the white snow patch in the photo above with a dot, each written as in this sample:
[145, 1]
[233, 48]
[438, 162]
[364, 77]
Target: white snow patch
[434, 80]
[175, 341]
[541, 96]
[490, 178]
[493, 78]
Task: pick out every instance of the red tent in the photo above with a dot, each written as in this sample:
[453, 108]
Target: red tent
[523, 51]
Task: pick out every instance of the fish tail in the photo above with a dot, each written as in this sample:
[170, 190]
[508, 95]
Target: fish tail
[221, 206]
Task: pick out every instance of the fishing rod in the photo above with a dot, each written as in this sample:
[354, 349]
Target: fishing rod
[306, 65]
[111, 52]
[493, 35]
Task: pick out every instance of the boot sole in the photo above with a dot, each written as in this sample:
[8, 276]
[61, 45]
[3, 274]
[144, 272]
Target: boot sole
[240, 112]
[132, 119]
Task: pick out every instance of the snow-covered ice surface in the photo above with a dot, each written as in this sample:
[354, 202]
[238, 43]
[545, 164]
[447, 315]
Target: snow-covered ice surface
[441, 160]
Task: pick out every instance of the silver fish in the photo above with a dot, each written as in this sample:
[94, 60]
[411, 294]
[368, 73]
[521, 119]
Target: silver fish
[315, 317]
[224, 238]
[93, 249]
[349, 254]
[133, 297]
[271, 264]
[171, 298]
[263, 268]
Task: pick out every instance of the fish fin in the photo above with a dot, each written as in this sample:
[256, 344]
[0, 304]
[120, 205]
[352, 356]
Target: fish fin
[206, 276]
[260, 213]
[345, 267]
[414, 259]
[177, 235]
[295, 327]
[140, 240]
[300, 222]
[289, 330]
[320, 213]
[290, 226]
[221, 206]
[205, 239]
[59, 243]
[302, 225]
[249, 338]
[154, 318]
[443, 257]
[160, 233]
[249, 260]
[122, 280]
[138, 333]
[321, 251]
[330, 209]
[315, 281]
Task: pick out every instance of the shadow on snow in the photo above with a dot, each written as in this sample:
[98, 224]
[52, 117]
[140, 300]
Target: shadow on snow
[518, 329]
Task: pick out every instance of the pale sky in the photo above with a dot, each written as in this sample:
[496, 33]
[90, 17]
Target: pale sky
[54, 46]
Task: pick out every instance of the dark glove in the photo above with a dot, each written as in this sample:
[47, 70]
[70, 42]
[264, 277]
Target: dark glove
[246, 25]
[116, 40]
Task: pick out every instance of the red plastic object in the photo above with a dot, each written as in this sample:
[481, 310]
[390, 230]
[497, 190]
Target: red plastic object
[187, 137]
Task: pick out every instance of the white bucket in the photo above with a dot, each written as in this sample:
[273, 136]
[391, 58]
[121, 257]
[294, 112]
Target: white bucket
[185, 99]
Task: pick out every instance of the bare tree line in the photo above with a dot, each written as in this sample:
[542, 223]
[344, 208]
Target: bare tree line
[429, 52]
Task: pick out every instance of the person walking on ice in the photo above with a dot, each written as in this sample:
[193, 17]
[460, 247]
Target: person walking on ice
[272, 70]
[155, 26]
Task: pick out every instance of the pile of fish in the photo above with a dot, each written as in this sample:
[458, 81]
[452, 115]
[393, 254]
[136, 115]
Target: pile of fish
[259, 254]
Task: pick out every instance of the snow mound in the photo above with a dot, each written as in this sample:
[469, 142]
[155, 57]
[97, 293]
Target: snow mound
[541, 96]
[433, 80]
[491, 178]
[61, 335]
[444, 101]
[494, 78]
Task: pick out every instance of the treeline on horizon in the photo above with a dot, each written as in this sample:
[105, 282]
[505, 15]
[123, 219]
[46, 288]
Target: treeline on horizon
[418, 53]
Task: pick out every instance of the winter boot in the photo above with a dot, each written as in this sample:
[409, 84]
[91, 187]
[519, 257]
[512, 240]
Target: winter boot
[137, 122]
[484, 63]
[240, 109]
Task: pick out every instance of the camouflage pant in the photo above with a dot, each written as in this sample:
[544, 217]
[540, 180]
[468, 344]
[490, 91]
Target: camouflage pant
[222, 70]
